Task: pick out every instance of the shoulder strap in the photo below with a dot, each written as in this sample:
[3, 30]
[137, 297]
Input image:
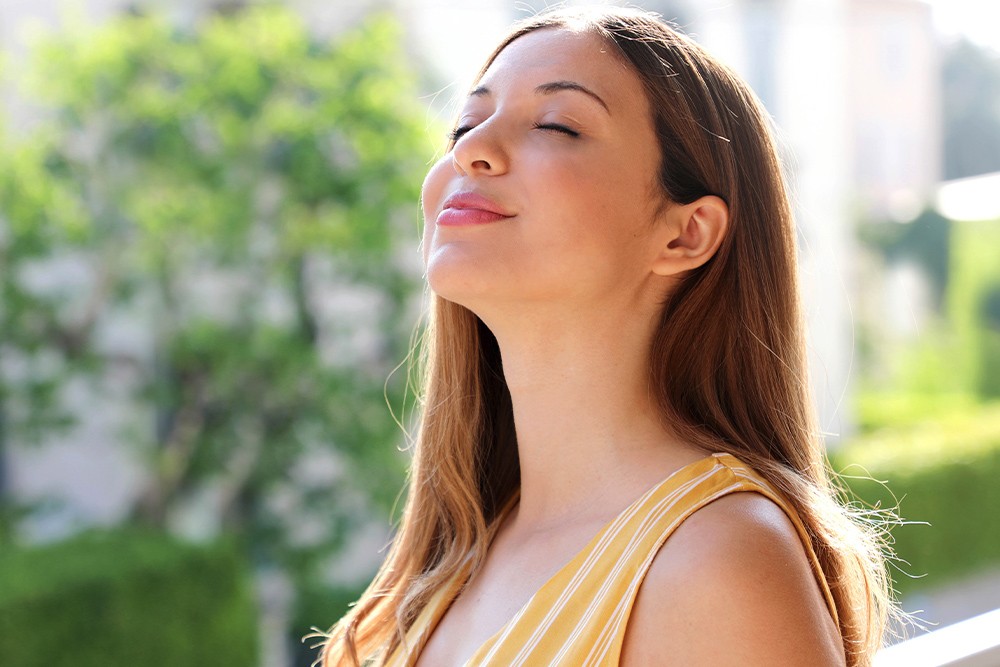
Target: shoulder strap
[574, 619]
[735, 477]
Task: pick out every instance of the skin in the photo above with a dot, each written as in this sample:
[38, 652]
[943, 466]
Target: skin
[700, 604]
[571, 285]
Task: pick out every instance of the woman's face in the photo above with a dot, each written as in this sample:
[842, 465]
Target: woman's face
[549, 193]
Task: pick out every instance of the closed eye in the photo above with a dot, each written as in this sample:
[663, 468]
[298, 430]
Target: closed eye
[555, 127]
[457, 133]
[460, 131]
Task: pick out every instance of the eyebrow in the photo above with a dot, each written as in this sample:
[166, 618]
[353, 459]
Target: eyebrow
[548, 89]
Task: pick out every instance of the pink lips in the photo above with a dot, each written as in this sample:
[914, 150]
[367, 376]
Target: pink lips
[470, 208]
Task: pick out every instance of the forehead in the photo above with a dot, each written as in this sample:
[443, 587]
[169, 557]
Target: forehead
[560, 54]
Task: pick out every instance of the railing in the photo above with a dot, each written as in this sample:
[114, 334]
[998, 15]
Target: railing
[971, 643]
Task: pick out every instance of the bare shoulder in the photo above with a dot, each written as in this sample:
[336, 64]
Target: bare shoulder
[732, 585]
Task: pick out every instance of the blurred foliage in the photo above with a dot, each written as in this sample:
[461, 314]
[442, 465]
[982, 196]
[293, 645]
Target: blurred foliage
[900, 408]
[971, 98]
[36, 354]
[940, 469]
[956, 355]
[208, 223]
[988, 378]
[930, 426]
[976, 278]
[122, 599]
[954, 360]
[925, 241]
[315, 605]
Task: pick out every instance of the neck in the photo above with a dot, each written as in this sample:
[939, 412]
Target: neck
[590, 438]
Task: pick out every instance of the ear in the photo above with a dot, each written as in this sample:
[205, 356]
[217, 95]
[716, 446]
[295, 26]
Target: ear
[696, 232]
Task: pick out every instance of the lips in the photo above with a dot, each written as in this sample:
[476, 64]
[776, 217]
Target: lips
[470, 208]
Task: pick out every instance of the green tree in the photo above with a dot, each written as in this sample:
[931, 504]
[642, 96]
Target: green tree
[41, 342]
[925, 241]
[244, 198]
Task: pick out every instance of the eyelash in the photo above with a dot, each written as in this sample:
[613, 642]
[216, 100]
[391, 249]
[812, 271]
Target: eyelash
[459, 132]
[555, 127]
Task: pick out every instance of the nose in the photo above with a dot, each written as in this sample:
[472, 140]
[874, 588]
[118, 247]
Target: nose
[480, 152]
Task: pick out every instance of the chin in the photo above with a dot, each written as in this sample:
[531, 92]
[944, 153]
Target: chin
[461, 282]
[480, 291]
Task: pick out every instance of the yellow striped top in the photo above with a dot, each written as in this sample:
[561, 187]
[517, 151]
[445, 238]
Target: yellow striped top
[578, 617]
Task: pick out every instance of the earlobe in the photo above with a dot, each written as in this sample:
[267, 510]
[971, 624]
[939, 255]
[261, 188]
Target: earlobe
[696, 230]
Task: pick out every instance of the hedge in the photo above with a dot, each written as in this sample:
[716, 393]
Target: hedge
[125, 599]
[943, 472]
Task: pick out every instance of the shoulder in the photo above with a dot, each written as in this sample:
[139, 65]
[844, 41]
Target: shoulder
[732, 585]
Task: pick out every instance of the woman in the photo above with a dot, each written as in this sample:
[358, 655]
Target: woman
[615, 358]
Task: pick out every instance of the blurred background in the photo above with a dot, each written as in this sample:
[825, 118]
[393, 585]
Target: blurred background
[209, 284]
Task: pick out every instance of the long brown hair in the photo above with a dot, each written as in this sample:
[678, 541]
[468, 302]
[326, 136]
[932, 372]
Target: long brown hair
[740, 386]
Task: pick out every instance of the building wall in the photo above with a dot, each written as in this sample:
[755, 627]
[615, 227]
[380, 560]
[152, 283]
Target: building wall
[895, 103]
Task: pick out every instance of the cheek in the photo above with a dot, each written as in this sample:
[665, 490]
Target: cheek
[607, 211]
[432, 195]
[432, 191]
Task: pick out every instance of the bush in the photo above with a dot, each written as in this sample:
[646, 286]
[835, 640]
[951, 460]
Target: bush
[319, 608]
[972, 310]
[989, 342]
[942, 472]
[110, 599]
[895, 411]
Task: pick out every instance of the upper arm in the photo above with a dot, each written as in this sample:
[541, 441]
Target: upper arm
[732, 585]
